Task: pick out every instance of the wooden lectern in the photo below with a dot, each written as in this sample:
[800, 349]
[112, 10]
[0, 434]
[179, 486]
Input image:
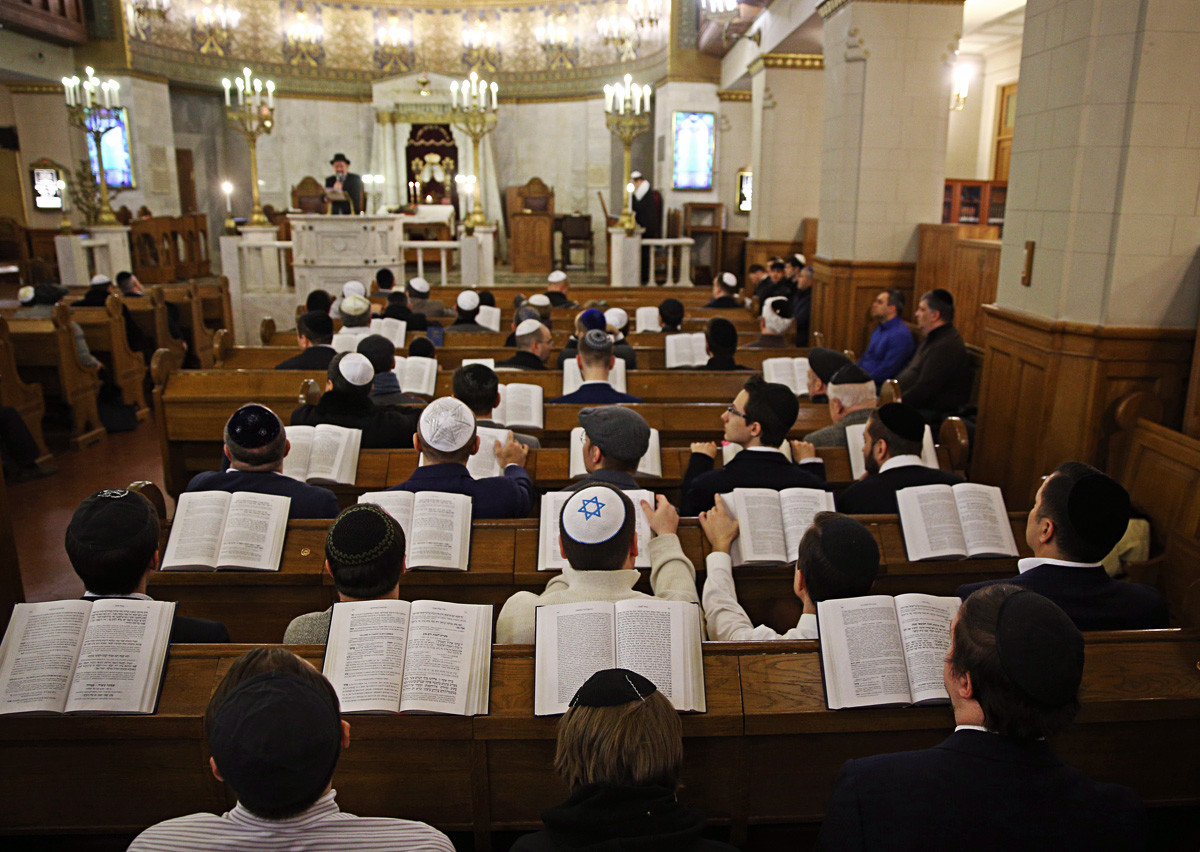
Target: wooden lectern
[531, 227]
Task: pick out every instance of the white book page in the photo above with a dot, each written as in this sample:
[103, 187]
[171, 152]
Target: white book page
[925, 629]
[642, 525]
[254, 531]
[799, 506]
[500, 412]
[394, 330]
[781, 371]
[365, 654]
[420, 376]
[650, 464]
[854, 443]
[295, 463]
[343, 342]
[488, 317]
[985, 523]
[678, 350]
[572, 378]
[195, 540]
[760, 524]
[441, 644]
[37, 656]
[616, 378]
[645, 630]
[575, 463]
[647, 319]
[398, 504]
[571, 643]
[490, 363]
[862, 652]
[439, 522]
[928, 450]
[929, 521]
[522, 406]
[800, 367]
[328, 449]
[483, 463]
[117, 656]
[549, 557]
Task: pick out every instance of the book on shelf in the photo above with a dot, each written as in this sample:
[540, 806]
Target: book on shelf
[685, 350]
[955, 522]
[322, 454]
[391, 328]
[880, 651]
[729, 449]
[488, 317]
[490, 363]
[792, 372]
[573, 378]
[550, 557]
[99, 656]
[658, 639]
[646, 319]
[650, 464]
[436, 524]
[771, 523]
[520, 406]
[854, 443]
[416, 374]
[220, 531]
[390, 656]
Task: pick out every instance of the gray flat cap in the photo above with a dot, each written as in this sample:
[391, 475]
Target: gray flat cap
[618, 432]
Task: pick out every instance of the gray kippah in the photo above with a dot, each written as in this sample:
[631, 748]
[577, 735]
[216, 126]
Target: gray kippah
[618, 432]
[596, 340]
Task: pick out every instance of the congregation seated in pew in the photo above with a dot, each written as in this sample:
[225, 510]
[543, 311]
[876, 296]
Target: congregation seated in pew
[852, 398]
[347, 402]
[614, 440]
[595, 358]
[721, 342]
[96, 296]
[420, 303]
[478, 387]
[774, 323]
[38, 303]
[130, 287]
[385, 387]
[467, 304]
[314, 335]
[534, 343]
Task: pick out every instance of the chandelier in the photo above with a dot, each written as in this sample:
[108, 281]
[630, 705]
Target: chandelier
[212, 27]
[557, 43]
[619, 32]
[481, 48]
[646, 14]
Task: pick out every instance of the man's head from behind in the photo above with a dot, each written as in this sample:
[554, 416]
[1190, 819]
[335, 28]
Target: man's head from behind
[726, 284]
[275, 732]
[355, 311]
[385, 279]
[446, 432]
[380, 351]
[1079, 514]
[255, 439]
[477, 386]
[670, 313]
[893, 430]
[128, 284]
[588, 319]
[532, 336]
[721, 337]
[776, 315]
[822, 365]
[350, 373]
[618, 435]
[467, 305]
[316, 327]
[850, 388]
[598, 529]
[595, 352]
[112, 541]
[1016, 657]
[364, 551]
[319, 301]
[838, 558]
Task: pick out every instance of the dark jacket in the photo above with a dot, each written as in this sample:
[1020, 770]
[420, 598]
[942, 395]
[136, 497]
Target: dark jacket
[468, 326]
[1094, 600]
[559, 300]
[748, 469]
[96, 297]
[415, 322]
[621, 349]
[594, 394]
[768, 341]
[308, 501]
[722, 362]
[383, 427]
[312, 358]
[352, 185]
[876, 495]
[616, 478]
[724, 302]
[1000, 793]
[613, 818]
[522, 360]
[938, 378]
[507, 496]
[185, 630]
[802, 311]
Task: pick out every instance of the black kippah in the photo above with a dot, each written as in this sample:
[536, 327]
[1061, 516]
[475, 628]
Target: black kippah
[318, 323]
[1098, 510]
[671, 310]
[722, 334]
[1040, 648]
[610, 687]
[362, 534]
[111, 518]
[850, 548]
[851, 374]
[825, 362]
[943, 295]
[254, 426]
[902, 420]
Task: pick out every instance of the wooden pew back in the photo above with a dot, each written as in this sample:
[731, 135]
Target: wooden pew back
[25, 397]
[104, 329]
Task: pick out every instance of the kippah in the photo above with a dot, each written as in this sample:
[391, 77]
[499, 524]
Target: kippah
[353, 288]
[110, 518]
[356, 369]
[361, 534]
[610, 687]
[635, 174]
[800, 259]
[593, 515]
[1040, 648]
[446, 424]
[729, 279]
[596, 340]
[616, 317]
[1098, 510]
[777, 306]
[527, 326]
[254, 426]
[318, 322]
[944, 295]
[850, 548]
[852, 374]
[825, 362]
[25, 295]
[722, 334]
[99, 279]
[556, 276]
[468, 300]
[671, 310]
[378, 350]
[904, 421]
[419, 285]
[539, 300]
[354, 305]
[422, 347]
[593, 318]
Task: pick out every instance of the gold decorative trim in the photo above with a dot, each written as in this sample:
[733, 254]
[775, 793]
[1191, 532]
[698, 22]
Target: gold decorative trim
[34, 88]
[796, 61]
[734, 95]
[829, 7]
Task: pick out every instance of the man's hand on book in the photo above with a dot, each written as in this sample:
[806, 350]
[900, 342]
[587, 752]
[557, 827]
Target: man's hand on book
[708, 448]
[513, 452]
[720, 527]
[664, 520]
[802, 450]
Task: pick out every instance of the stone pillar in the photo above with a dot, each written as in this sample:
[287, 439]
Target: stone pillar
[626, 258]
[887, 96]
[1105, 186]
[72, 259]
[477, 253]
[110, 249]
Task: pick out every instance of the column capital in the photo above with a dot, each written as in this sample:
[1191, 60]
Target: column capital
[829, 7]
[799, 61]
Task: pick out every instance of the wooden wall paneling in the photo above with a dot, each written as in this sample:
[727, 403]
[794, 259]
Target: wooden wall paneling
[935, 256]
[974, 278]
[761, 251]
[843, 291]
[808, 238]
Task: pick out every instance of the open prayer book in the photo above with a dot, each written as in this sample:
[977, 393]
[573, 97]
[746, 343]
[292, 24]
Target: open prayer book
[650, 463]
[436, 524]
[771, 523]
[792, 372]
[416, 374]
[955, 522]
[102, 656]
[880, 651]
[685, 350]
[659, 640]
[520, 406]
[550, 558]
[484, 463]
[572, 378]
[490, 363]
[854, 442]
[420, 657]
[323, 453]
[391, 328]
[488, 317]
[219, 531]
[646, 319]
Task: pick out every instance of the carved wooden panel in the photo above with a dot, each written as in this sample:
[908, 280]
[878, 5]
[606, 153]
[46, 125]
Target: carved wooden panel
[843, 291]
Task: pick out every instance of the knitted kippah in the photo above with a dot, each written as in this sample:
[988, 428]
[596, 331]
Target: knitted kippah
[362, 534]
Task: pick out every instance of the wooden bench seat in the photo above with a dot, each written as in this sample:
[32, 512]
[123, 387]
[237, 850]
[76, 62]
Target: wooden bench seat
[25, 397]
[104, 329]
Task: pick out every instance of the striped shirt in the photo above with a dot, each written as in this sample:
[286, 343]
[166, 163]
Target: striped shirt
[322, 826]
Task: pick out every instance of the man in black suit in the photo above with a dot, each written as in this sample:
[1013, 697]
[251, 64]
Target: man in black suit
[131, 288]
[595, 359]
[721, 341]
[398, 308]
[1078, 516]
[347, 402]
[255, 444]
[112, 542]
[937, 381]
[97, 295]
[534, 344]
[478, 387]
[724, 292]
[345, 181]
[1013, 673]
[759, 420]
[892, 455]
[614, 440]
[558, 288]
[468, 303]
[314, 334]
[385, 387]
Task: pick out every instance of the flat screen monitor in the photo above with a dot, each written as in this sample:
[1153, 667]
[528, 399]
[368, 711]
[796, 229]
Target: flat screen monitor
[695, 138]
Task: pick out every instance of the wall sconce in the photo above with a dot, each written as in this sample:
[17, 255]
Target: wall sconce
[304, 41]
[393, 47]
[212, 27]
[481, 48]
[142, 14]
[620, 33]
[557, 43]
[963, 73]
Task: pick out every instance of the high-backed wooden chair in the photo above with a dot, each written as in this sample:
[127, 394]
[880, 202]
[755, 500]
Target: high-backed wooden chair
[308, 196]
[534, 195]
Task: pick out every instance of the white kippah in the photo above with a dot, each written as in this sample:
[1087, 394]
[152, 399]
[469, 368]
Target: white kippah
[468, 300]
[556, 276]
[100, 278]
[593, 515]
[354, 288]
[635, 174]
[728, 279]
[616, 317]
[527, 326]
[769, 305]
[356, 369]
[354, 305]
[25, 294]
[446, 424]
[800, 257]
[419, 285]
[539, 300]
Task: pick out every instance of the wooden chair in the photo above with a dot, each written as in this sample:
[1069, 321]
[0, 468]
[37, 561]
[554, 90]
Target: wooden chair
[308, 196]
[576, 233]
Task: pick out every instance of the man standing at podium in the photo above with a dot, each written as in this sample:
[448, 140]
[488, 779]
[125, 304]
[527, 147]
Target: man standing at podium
[344, 180]
[647, 210]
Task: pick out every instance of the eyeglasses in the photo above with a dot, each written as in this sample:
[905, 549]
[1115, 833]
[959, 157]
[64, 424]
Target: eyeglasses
[735, 412]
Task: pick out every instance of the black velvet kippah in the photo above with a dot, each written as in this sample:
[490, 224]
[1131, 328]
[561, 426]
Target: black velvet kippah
[361, 534]
[318, 323]
[850, 547]
[902, 420]
[1040, 648]
[380, 351]
[671, 311]
[1098, 510]
[780, 307]
[944, 295]
[851, 374]
[610, 687]
[254, 426]
[825, 362]
[722, 334]
[110, 518]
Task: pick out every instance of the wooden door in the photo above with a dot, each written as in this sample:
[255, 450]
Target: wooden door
[187, 181]
[1006, 115]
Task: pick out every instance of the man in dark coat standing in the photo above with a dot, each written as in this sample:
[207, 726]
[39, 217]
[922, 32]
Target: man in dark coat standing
[647, 210]
[345, 181]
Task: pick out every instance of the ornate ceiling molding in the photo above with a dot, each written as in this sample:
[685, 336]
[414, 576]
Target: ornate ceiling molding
[831, 7]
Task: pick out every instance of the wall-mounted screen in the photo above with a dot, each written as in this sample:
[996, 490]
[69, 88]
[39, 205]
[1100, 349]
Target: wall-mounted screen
[46, 194]
[695, 139]
[745, 191]
[118, 166]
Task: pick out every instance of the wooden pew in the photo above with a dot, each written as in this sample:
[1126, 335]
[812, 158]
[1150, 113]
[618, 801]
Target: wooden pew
[104, 329]
[765, 754]
[150, 313]
[25, 398]
[44, 350]
[204, 308]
